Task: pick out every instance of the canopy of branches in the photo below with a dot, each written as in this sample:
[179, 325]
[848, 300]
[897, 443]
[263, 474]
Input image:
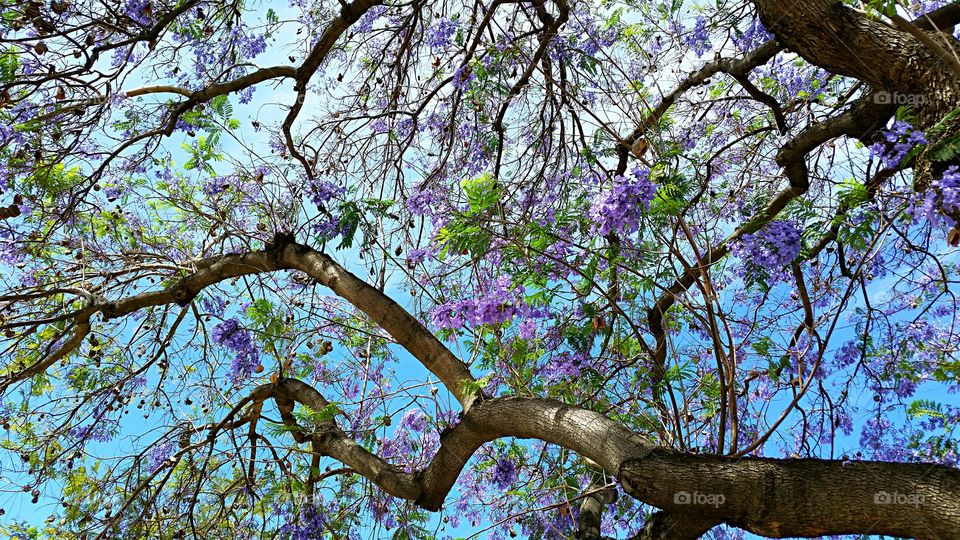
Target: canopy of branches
[660, 269]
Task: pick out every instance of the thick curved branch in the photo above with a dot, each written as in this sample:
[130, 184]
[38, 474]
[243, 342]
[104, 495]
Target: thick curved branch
[835, 37]
[588, 433]
[862, 119]
[210, 271]
[949, 58]
[406, 329]
[81, 328]
[284, 254]
[779, 498]
[674, 526]
[942, 19]
[182, 292]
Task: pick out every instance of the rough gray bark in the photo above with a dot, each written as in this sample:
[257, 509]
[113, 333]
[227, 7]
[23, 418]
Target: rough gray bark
[595, 499]
[803, 497]
[891, 60]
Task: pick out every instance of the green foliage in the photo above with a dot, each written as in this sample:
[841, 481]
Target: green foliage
[461, 237]
[855, 225]
[882, 7]
[475, 387]
[310, 417]
[673, 192]
[9, 65]
[482, 193]
[361, 216]
[946, 150]
[205, 151]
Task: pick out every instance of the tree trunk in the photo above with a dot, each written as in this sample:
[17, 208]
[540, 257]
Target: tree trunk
[894, 62]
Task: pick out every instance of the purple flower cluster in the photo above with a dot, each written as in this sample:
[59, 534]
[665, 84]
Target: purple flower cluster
[563, 367]
[214, 305]
[413, 443]
[794, 80]
[159, 455]
[366, 22]
[528, 329]
[699, 38]
[900, 139]
[848, 354]
[754, 35]
[586, 35]
[322, 192]
[414, 420]
[250, 45]
[463, 77]
[309, 524]
[422, 202]
[941, 200]
[882, 442]
[440, 34]
[10, 253]
[96, 432]
[620, 208]
[504, 473]
[231, 335]
[772, 247]
[499, 302]
[140, 11]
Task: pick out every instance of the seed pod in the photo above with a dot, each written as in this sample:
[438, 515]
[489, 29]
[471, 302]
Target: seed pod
[639, 147]
[599, 323]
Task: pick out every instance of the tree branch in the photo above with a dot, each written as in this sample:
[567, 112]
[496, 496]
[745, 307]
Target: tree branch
[406, 329]
[773, 497]
[802, 497]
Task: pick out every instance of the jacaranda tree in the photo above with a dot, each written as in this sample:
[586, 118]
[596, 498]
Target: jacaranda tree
[658, 269]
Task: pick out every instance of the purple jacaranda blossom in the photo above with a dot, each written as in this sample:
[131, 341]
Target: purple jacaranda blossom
[499, 301]
[901, 138]
[440, 34]
[699, 38]
[159, 455]
[414, 420]
[504, 472]
[95, 432]
[753, 36]
[231, 335]
[772, 247]
[214, 305]
[620, 207]
[941, 201]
